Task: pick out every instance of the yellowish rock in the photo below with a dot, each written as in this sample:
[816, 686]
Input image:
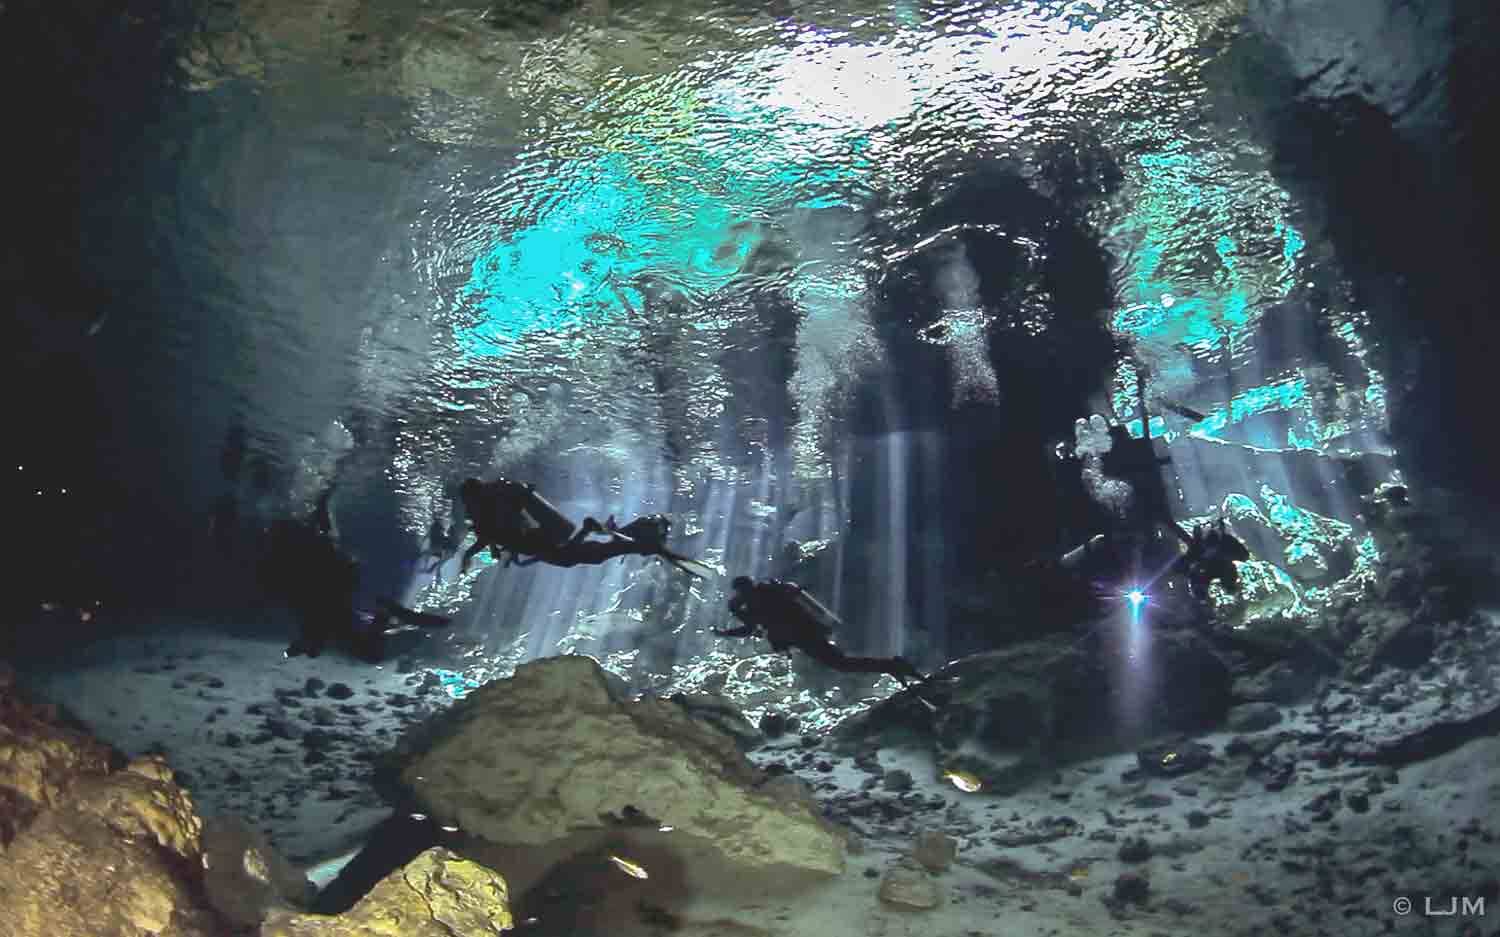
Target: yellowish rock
[549, 752]
[934, 850]
[909, 889]
[72, 873]
[244, 876]
[137, 806]
[39, 760]
[437, 894]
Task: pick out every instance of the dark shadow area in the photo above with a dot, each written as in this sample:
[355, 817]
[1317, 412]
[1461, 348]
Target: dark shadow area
[986, 493]
[1411, 224]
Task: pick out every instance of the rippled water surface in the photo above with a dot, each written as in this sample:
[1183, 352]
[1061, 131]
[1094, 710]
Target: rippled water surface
[664, 241]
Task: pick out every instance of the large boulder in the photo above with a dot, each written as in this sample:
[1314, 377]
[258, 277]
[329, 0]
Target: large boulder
[40, 759]
[117, 859]
[1265, 593]
[244, 876]
[437, 894]
[1312, 548]
[99, 852]
[1009, 715]
[549, 753]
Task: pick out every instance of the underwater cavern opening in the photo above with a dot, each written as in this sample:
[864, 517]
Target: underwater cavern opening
[634, 468]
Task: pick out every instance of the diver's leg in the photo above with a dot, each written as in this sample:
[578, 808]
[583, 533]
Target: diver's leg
[831, 657]
[586, 552]
[828, 654]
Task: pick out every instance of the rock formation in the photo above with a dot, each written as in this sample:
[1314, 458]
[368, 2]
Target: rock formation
[550, 752]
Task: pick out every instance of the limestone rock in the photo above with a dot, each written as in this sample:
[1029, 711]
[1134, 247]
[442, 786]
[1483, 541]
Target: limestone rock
[437, 894]
[1282, 682]
[138, 807]
[723, 715]
[1314, 549]
[1253, 717]
[935, 851]
[115, 861]
[1266, 592]
[244, 876]
[39, 761]
[1001, 710]
[1008, 716]
[910, 889]
[266, 33]
[1390, 636]
[549, 752]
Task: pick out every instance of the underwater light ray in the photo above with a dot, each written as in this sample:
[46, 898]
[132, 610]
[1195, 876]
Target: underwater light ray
[840, 492]
[894, 467]
[934, 587]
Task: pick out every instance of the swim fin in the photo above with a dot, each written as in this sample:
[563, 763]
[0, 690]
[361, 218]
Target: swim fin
[410, 619]
[691, 567]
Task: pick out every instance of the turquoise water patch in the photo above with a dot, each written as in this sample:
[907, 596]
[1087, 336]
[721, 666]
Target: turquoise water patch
[682, 196]
[456, 684]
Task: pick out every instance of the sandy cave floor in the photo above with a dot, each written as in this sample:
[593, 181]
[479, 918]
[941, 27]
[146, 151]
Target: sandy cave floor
[251, 737]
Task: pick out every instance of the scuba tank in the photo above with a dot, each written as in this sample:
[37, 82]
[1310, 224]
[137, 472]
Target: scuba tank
[537, 513]
[815, 611]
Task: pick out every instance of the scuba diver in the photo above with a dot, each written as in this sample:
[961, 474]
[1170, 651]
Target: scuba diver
[1105, 561]
[789, 617]
[1211, 555]
[305, 566]
[1135, 462]
[1137, 550]
[510, 516]
[359, 633]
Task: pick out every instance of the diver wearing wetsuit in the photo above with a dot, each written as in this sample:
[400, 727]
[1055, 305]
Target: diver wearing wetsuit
[789, 617]
[511, 517]
[1211, 555]
[307, 569]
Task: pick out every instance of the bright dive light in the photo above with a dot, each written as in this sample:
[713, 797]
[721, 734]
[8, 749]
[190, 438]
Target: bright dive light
[1137, 598]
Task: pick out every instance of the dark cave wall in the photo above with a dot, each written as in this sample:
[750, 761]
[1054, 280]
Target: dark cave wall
[87, 81]
[1408, 208]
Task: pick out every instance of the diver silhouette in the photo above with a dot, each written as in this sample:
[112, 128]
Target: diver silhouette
[1211, 555]
[789, 618]
[1211, 550]
[306, 568]
[510, 516]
